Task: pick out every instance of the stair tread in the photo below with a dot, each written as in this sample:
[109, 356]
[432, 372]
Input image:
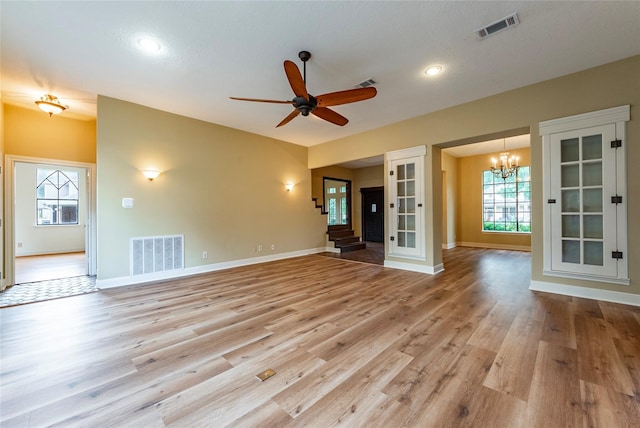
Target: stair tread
[354, 246]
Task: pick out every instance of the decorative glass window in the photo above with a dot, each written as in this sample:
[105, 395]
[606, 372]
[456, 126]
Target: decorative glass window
[332, 210]
[506, 203]
[56, 197]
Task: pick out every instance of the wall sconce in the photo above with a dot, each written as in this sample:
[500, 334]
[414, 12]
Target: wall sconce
[150, 174]
[51, 104]
[289, 186]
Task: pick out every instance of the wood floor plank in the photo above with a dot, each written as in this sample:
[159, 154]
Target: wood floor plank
[559, 323]
[233, 394]
[492, 330]
[606, 408]
[304, 394]
[599, 362]
[555, 388]
[352, 344]
[513, 367]
[620, 324]
[268, 414]
[356, 393]
[455, 400]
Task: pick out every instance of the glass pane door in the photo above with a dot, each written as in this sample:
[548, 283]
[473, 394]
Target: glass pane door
[405, 197]
[406, 200]
[582, 207]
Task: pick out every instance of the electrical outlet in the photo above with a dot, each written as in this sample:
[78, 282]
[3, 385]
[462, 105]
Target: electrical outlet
[273, 246]
[204, 255]
[259, 247]
[19, 244]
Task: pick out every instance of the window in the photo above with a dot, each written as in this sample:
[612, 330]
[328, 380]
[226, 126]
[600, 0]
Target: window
[506, 204]
[56, 197]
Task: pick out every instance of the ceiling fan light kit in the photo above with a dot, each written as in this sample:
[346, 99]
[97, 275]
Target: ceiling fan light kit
[305, 103]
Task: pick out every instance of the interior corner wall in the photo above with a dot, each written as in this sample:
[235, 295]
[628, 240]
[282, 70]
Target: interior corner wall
[469, 224]
[32, 133]
[606, 86]
[450, 200]
[223, 189]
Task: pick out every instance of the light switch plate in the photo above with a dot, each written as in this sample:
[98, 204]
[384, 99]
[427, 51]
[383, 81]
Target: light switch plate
[127, 202]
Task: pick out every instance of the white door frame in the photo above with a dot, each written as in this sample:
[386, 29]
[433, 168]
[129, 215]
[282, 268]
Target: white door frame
[9, 222]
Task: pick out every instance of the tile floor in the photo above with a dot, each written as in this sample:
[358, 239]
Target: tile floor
[39, 291]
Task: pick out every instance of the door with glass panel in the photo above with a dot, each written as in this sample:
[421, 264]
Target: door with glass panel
[583, 214]
[405, 207]
[337, 201]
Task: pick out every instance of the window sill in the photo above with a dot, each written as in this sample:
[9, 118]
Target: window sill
[500, 232]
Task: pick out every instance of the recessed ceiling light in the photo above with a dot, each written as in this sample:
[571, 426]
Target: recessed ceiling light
[433, 70]
[148, 45]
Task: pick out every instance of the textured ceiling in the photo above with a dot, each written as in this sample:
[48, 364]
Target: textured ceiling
[213, 50]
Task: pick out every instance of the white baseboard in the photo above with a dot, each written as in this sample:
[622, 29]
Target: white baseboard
[586, 293]
[495, 246]
[48, 253]
[448, 246]
[159, 276]
[432, 270]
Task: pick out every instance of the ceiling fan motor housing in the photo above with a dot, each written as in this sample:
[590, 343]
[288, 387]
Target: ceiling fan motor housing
[305, 106]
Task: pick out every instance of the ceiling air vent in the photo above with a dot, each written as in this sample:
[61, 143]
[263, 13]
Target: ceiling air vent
[366, 83]
[498, 26]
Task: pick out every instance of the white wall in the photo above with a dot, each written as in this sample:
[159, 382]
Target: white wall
[33, 240]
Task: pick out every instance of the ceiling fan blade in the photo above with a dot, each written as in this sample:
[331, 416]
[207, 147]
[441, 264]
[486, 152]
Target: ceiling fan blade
[288, 118]
[295, 79]
[346, 97]
[330, 116]
[261, 101]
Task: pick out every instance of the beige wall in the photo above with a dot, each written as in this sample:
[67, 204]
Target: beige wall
[31, 132]
[222, 188]
[602, 87]
[469, 201]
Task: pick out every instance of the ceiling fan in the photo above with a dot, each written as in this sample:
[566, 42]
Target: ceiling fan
[305, 103]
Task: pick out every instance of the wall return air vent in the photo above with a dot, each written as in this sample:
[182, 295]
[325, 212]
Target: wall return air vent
[500, 25]
[151, 254]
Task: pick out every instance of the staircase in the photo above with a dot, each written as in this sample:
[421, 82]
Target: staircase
[344, 238]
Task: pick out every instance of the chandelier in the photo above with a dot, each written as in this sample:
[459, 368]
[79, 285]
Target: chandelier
[508, 164]
[51, 104]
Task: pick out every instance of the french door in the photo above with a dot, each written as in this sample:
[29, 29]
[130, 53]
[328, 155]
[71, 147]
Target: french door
[406, 207]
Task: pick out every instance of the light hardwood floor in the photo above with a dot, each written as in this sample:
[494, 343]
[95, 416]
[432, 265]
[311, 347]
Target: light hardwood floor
[352, 344]
[49, 266]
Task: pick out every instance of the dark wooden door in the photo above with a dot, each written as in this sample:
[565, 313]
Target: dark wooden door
[373, 214]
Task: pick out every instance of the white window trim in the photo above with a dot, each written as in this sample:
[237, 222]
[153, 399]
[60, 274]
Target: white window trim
[618, 116]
